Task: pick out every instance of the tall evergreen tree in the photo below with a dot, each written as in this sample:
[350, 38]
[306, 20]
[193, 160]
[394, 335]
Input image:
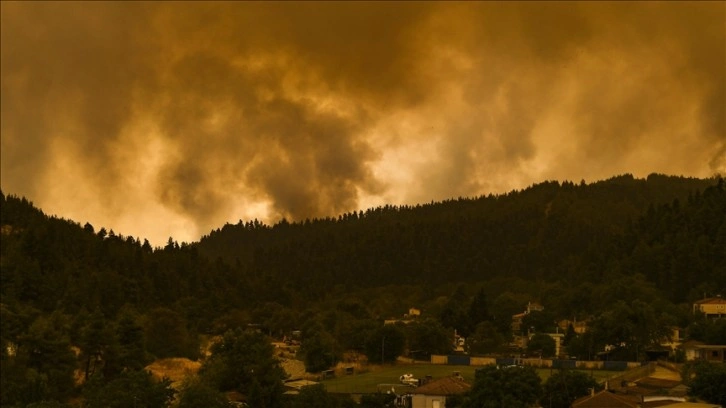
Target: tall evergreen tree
[244, 361]
[515, 387]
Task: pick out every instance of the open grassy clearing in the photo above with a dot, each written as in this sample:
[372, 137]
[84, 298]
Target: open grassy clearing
[176, 369]
[369, 382]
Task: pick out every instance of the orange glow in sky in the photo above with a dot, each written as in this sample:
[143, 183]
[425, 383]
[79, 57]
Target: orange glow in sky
[168, 119]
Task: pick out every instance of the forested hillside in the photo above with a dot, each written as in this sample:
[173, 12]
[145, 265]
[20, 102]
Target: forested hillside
[669, 229]
[549, 232]
[587, 251]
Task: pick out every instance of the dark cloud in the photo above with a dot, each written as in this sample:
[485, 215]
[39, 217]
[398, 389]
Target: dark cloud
[207, 112]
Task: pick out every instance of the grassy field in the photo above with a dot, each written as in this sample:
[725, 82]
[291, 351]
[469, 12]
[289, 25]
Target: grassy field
[371, 381]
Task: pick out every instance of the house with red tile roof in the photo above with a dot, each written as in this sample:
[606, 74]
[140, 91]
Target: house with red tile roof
[711, 307]
[607, 399]
[434, 393]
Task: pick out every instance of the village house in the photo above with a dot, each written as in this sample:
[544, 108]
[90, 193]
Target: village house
[580, 326]
[433, 394]
[558, 338]
[714, 307]
[517, 319]
[696, 350]
[412, 314]
[667, 346]
[607, 399]
[673, 341]
[518, 340]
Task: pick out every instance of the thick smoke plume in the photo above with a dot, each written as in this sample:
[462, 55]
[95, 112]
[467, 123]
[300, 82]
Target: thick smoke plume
[166, 118]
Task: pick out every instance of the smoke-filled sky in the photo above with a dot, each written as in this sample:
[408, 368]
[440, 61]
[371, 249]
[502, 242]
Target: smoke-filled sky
[168, 119]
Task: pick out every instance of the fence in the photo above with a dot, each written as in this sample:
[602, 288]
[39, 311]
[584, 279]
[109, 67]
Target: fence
[620, 381]
[459, 359]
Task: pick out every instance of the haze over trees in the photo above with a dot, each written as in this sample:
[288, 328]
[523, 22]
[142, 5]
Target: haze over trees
[629, 250]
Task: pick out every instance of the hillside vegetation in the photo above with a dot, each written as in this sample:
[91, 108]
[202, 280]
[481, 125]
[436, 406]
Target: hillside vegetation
[595, 251]
[662, 227]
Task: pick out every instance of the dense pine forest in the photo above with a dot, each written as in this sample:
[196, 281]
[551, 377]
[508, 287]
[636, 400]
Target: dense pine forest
[548, 232]
[622, 249]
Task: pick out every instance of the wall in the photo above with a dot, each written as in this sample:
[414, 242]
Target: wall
[427, 401]
[535, 362]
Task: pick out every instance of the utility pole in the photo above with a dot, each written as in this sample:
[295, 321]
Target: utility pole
[383, 347]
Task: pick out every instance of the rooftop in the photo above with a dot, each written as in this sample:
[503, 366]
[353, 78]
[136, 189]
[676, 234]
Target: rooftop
[718, 300]
[606, 399]
[444, 386]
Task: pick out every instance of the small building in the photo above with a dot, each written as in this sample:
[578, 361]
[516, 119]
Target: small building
[714, 307]
[517, 318]
[674, 340]
[696, 350]
[558, 338]
[409, 317]
[580, 326]
[607, 399]
[534, 307]
[434, 393]
[414, 312]
[517, 322]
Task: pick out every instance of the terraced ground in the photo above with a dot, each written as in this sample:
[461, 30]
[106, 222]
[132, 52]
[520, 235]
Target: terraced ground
[383, 378]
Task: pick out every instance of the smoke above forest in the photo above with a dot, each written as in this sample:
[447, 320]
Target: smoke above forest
[170, 118]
